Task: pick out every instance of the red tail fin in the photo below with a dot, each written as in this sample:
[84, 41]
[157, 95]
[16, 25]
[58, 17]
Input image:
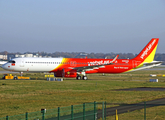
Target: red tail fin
[148, 52]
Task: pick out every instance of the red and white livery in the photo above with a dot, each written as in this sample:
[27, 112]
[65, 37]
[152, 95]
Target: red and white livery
[77, 67]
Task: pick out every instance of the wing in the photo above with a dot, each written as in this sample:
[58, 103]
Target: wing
[87, 68]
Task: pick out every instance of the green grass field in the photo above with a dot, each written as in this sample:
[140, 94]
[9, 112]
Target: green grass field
[20, 96]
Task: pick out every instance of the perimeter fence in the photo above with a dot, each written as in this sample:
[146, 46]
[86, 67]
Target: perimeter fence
[86, 111]
[97, 110]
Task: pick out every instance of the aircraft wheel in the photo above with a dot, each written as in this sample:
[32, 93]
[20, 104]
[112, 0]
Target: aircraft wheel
[78, 77]
[85, 77]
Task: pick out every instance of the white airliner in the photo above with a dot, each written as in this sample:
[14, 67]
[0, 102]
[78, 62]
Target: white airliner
[77, 67]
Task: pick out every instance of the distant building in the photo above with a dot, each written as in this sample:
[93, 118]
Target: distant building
[28, 55]
[10, 56]
[3, 57]
[37, 56]
[24, 55]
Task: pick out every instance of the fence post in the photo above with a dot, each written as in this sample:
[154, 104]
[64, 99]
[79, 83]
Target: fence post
[7, 117]
[94, 110]
[43, 114]
[83, 111]
[26, 116]
[105, 110]
[58, 113]
[102, 110]
[71, 112]
[144, 110]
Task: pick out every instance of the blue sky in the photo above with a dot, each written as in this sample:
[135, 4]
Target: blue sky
[99, 26]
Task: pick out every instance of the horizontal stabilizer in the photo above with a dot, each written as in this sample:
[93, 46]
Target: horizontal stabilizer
[147, 65]
[153, 63]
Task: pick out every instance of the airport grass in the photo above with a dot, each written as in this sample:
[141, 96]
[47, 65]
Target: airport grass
[1, 69]
[20, 96]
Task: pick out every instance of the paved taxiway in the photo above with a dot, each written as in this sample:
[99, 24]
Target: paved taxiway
[142, 89]
[124, 108]
[8, 72]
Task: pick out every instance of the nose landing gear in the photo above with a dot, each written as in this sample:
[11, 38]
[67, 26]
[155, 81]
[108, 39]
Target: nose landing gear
[21, 73]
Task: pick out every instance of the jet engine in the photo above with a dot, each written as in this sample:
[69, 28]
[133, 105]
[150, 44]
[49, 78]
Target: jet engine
[66, 73]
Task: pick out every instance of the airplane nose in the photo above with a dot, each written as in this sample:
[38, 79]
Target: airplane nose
[4, 66]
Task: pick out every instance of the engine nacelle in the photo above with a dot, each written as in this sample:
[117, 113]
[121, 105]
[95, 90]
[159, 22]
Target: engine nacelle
[66, 73]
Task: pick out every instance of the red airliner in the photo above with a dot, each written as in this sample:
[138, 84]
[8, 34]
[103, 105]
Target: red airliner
[79, 67]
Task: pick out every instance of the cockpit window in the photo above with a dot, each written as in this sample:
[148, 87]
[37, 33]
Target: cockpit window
[11, 61]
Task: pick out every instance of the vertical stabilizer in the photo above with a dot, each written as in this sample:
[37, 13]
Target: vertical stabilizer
[148, 52]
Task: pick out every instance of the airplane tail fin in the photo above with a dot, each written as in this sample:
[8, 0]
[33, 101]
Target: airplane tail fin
[148, 52]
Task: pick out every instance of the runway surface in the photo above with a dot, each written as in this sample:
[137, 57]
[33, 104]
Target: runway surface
[124, 108]
[142, 89]
[7, 72]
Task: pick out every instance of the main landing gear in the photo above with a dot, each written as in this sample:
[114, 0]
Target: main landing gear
[84, 77]
[79, 77]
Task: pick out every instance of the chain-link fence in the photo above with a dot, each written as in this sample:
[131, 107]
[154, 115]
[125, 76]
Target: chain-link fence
[86, 111]
[98, 110]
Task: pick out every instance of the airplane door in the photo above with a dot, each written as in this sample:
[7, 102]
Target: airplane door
[22, 63]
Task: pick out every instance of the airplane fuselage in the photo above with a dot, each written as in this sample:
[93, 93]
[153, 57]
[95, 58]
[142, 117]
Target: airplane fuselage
[55, 64]
[73, 67]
